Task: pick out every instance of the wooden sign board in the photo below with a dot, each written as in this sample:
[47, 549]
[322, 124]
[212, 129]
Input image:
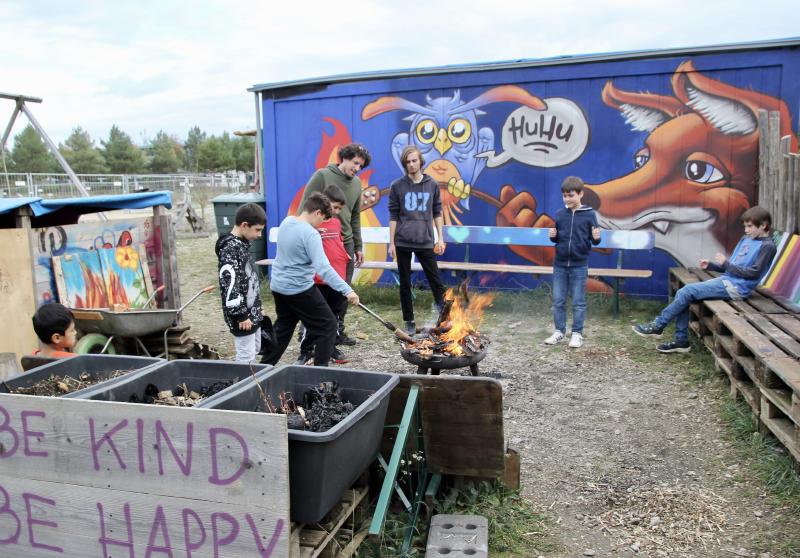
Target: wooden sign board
[101, 479]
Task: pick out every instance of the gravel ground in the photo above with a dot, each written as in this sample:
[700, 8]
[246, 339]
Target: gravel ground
[623, 451]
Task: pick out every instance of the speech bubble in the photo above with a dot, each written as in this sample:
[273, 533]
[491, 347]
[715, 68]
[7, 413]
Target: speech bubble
[543, 138]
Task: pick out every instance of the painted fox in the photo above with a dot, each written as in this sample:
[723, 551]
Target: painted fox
[694, 176]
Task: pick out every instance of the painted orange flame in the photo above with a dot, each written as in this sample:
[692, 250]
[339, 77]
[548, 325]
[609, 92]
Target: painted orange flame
[464, 321]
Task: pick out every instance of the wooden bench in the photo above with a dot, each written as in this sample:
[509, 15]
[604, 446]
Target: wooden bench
[512, 236]
[756, 344]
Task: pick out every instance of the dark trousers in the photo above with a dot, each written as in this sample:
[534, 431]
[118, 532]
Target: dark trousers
[310, 308]
[427, 259]
[336, 301]
[351, 266]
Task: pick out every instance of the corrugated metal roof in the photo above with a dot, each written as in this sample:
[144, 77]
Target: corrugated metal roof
[526, 63]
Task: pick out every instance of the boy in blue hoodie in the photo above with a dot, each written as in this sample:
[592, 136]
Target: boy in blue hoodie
[740, 274]
[575, 232]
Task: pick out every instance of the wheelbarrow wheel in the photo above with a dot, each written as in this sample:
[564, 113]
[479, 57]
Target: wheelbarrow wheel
[92, 344]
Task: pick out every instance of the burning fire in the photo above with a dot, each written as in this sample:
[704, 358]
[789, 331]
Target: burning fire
[457, 331]
[464, 321]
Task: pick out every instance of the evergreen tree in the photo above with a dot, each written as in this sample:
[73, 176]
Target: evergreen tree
[215, 154]
[244, 154]
[166, 154]
[81, 154]
[190, 148]
[31, 154]
[121, 154]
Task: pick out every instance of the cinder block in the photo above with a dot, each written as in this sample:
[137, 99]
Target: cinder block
[458, 536]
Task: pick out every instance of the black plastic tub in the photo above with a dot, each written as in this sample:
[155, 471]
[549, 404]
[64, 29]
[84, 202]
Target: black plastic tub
[196, 374]
[322, 465]
[101, 366]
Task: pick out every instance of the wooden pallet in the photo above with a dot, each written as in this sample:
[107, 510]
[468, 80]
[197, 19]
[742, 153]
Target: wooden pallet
[756, 344]
[336, 536]
[780, 424]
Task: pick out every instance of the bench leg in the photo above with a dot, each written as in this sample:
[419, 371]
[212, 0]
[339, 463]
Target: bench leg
[615, 301]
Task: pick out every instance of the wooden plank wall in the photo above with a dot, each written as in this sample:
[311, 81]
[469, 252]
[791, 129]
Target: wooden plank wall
[17, 298]
[778, 174]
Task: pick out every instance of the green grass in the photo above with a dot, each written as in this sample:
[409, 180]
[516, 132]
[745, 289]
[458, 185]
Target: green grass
[771, 464]
[515, 528]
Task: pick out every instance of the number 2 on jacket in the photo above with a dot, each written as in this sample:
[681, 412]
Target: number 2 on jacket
[229, 302]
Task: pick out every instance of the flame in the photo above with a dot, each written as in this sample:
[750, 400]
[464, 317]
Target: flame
[464, 321]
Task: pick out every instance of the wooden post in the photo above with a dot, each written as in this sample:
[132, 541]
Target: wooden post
[773, 162]
[795, 193]
[765, 200]
[784, 191]
[169, 258]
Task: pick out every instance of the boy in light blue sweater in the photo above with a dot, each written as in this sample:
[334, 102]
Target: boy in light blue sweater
[741, 273]
[299, 257]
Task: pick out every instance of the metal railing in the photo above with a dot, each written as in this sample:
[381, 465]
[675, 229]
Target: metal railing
[45, 185]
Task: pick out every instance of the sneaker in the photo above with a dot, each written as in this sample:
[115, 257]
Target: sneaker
[674, 347]
[338, 357]
[343, 339]
[411, 327]
[303, 359]
[557, 337]
[648, 330]
[576, 341]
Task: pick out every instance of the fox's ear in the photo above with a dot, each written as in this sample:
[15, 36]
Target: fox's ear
[643, 111]
[731, 110]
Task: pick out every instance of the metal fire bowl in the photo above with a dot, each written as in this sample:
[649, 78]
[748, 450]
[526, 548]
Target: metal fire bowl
[441, 362]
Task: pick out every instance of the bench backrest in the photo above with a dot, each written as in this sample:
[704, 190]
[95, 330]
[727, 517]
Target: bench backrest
[510, 236]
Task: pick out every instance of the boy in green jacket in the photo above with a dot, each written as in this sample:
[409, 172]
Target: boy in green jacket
[354, 157]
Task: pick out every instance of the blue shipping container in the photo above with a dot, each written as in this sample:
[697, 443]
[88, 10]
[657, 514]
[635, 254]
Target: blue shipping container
[666, 140]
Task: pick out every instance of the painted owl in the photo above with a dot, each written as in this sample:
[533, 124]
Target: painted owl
[447, 134]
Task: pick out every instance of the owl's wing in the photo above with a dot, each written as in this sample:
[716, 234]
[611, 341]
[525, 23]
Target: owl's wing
[398, 143]
[485, 143]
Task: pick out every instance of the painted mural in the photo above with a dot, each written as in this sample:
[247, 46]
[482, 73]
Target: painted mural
[673, 153]
[91, 237]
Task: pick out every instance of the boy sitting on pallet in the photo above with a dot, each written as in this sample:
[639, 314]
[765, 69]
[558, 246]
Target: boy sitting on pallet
[740, 274]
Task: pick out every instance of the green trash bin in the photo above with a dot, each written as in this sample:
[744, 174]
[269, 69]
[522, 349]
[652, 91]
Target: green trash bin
[225, 207]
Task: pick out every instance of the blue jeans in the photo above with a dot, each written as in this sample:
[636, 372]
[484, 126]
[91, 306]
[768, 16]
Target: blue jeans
[570, 280]
[678, 309]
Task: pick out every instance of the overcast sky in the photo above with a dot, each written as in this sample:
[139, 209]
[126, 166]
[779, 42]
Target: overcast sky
[165, 65]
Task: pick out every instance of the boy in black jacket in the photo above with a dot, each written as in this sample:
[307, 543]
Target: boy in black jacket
[239, 282]
[575, 232]
[415, 205]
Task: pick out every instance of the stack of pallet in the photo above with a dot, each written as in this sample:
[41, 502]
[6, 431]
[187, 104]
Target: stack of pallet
[756, 343]
[338, 535]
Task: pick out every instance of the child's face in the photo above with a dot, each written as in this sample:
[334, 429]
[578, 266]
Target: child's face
[250, 232]
[66, 341]
[754, 232]
[316, 219]
[572, 199]
[336, 207]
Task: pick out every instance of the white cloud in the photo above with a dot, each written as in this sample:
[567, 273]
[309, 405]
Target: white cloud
[151, 65]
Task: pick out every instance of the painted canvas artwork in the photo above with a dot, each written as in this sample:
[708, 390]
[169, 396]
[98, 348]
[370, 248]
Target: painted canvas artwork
[52, 242]
[122, 272]
[784, 279]
[79, 278]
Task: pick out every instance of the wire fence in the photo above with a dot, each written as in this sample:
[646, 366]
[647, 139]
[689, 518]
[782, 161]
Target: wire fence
[44, 185]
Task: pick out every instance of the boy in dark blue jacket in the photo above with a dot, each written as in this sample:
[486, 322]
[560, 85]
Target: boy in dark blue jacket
[741, 274]
[575, 232]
